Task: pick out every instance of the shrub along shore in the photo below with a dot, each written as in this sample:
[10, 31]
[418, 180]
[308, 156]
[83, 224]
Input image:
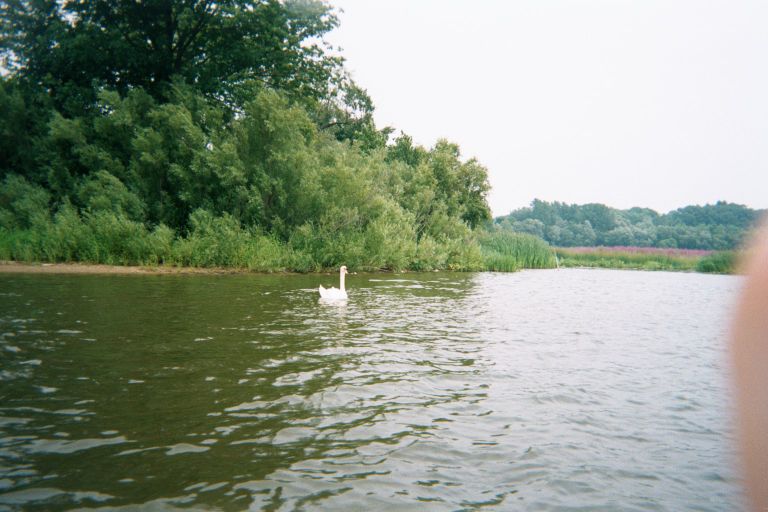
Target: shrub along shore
[135, 250]
[219, 243]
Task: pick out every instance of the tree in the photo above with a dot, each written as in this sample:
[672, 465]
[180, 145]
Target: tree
[76, 47]
[214, 132]
[460, 187]
[600, 217]
[531, 226]
[22, 204]
[403, 150]
[473, 189]
[24, 118]
[347, 114]
[719, 226]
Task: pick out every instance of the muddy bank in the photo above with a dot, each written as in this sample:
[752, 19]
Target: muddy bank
[85, 268]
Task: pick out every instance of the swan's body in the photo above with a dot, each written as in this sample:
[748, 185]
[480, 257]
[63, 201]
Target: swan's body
[339, 293]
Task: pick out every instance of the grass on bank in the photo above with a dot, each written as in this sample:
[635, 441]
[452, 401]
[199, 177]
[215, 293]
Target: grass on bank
[648, 259]
[106, 238]
[221, 242]
[723, 262]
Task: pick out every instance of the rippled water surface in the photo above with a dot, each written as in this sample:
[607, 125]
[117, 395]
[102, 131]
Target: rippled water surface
[540, 390]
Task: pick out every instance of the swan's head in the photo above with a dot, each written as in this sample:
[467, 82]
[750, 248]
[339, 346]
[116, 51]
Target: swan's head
[344, 269]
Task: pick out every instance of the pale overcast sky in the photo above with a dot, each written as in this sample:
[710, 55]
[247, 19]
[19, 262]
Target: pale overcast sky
[655, 103]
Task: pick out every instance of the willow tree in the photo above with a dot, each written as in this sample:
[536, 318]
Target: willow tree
[73, 46]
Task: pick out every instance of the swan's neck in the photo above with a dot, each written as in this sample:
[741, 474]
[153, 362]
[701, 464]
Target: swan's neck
[341, 281]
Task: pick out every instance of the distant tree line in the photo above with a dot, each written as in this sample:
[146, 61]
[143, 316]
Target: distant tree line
[719, 226]
[213, 133]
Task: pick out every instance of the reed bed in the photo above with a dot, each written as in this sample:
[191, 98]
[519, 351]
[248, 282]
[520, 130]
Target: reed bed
[724, 262]
[508, 252]
[648, 258]
[633, 249]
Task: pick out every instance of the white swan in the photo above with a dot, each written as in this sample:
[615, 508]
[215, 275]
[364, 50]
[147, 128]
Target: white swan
[339, 293]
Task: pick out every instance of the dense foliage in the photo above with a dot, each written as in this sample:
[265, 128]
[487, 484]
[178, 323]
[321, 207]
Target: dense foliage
[719, 226]
[205, 133]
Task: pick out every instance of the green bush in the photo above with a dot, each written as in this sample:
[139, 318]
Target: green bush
[161, 243]
[104, 192]
[723, 262]
[464, 255]
[119, 240]
[70, 239]
[266, 254]
[22, 204]
[430, 255]
[212, 242]
[20, 245]
[390, 240]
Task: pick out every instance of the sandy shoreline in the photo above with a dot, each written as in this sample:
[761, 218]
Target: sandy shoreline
[15, 267]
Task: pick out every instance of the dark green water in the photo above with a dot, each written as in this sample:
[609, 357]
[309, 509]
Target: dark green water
[547, 390]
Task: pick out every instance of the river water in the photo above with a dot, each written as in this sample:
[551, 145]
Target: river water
[538, 390]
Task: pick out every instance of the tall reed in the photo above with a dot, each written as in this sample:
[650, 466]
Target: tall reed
[718, 263]
[505, 251]
[607, 257]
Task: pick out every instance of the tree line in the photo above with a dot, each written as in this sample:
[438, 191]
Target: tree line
[207, 133]
[719, 226]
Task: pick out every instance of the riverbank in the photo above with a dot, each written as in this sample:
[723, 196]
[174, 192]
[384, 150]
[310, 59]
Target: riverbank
[15, 267]
[649, 258]
[255, 253]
